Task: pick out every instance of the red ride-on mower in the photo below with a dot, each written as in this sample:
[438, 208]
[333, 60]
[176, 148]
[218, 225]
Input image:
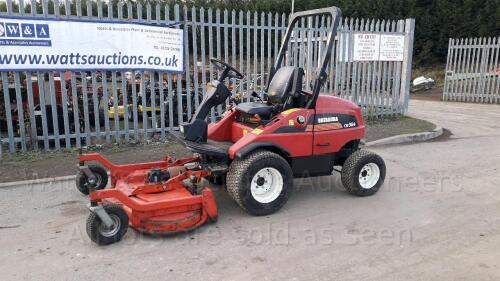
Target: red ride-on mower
[258, 147]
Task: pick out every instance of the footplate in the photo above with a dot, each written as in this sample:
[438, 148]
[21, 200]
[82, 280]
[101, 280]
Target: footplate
[211, 148]
[216, 168]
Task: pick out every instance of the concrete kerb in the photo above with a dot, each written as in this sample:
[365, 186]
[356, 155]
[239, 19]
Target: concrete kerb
[405, 138]
[37, 181]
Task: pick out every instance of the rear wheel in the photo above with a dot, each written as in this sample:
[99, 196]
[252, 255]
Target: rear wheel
[103, 235]
[82, 183]
[363, 173]
[260, 183]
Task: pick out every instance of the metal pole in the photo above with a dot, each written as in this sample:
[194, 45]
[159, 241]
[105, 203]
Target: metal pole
[407, 63]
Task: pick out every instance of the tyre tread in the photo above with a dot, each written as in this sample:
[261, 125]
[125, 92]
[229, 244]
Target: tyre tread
[93, 222]
[349, 175]
[238, 168]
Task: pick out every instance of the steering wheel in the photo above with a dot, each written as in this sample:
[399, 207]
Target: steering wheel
[227, 70]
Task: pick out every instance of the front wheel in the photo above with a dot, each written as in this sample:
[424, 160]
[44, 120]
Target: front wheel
[103, 235]
[260, 183]
[363, 173]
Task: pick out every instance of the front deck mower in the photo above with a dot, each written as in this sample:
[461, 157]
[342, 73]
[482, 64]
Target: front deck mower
[258, 147]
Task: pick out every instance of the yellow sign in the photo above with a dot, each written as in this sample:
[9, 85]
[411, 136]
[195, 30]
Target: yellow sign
[257, 131]
[291, 123]
[291, 110]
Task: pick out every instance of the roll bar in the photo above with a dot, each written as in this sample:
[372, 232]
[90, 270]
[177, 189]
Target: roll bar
[335, 14]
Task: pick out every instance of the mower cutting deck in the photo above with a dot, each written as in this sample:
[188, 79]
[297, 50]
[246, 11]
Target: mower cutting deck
[158, 197]
[258, 147]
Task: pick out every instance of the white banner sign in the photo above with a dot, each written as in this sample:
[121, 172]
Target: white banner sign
[392, 47]
[366, 47]
[378, 47]
[32, 44]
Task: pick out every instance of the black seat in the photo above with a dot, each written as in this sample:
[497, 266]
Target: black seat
[286, 85]
[287, 82]
[253, 108]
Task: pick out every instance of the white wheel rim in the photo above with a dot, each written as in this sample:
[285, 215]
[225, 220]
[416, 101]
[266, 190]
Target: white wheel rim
[369, 175]
[111, 231]
[266, 185]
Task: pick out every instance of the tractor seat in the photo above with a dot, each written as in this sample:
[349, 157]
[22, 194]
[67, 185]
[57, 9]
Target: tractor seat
[286, 83]
[256, 108]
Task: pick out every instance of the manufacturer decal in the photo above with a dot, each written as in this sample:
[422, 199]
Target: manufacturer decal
[320, 123]
[350, 125]
[328, 119]
[331, 121]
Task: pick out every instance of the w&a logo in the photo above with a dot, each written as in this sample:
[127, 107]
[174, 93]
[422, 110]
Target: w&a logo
[24, 30]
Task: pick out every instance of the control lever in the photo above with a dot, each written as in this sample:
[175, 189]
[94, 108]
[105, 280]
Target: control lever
[255, 95]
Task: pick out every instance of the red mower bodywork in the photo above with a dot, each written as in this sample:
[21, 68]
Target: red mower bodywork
[286, 132]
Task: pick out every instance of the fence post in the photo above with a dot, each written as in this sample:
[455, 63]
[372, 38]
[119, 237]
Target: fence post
[407, 64]
[448, 63]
